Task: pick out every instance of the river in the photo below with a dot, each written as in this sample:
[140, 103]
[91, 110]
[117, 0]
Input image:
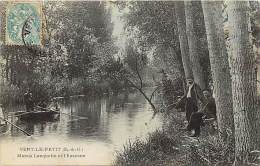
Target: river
[111, 122]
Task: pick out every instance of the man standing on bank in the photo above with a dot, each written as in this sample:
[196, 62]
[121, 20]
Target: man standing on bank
[193, 96]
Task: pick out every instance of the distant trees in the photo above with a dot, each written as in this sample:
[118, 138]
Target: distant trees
[156, 30]
[135, 67]
[80, 28]
[77, 43]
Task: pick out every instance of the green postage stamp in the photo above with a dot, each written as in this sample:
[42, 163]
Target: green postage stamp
[23, 23]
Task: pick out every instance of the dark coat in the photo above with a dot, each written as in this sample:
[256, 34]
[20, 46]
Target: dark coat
[210, 109]
[192, 104]
[196, 94]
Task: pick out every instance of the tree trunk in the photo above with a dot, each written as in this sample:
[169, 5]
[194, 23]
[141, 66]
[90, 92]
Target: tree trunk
[219, 65]
[243, 82]
[180, 14]
[194, 43]
[12, 69]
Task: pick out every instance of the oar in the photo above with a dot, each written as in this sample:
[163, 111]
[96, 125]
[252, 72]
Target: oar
[22, 114]
[43, 108]
[80, 117]
[25, 132]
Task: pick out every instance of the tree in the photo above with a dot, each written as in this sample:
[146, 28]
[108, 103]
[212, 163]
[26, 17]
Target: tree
[82, 30]
[76, 42]
[219, 65]
[156, 29]
[192, 11]
[246, 117]
[180, 14]
[134, 72]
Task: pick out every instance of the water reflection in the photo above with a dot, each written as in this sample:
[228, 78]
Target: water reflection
[111, 122]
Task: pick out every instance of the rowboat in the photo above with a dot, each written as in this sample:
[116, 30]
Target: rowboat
[39, 115]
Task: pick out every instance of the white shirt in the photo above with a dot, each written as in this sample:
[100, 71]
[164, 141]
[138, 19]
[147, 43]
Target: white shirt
[189, 91]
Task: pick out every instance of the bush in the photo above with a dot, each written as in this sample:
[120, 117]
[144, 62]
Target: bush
[209, 150]
[11, 94]
[157, 147]
[172, 146]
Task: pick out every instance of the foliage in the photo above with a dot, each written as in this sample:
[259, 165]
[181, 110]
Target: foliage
[73, 48]
[166, 59]
[10, 94]
[85, 40]
[135, 64]
[158, 146]
[153, 27]
[210, 151]
[155, 20]
[170, 146]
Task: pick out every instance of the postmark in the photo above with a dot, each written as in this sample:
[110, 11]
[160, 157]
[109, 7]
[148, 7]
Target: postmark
[23, 23]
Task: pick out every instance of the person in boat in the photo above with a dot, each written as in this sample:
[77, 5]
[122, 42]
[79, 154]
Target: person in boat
[208, 113]
[28, 100]
[43, 105]
[54, 104]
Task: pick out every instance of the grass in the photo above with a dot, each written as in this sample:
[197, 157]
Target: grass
[155, 149]
[170, 146]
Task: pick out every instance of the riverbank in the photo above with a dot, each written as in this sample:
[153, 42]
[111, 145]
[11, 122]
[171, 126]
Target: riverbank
[12, 95]
[172, 146]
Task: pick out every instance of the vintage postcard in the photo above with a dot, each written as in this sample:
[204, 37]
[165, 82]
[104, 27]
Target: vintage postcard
[85, 83]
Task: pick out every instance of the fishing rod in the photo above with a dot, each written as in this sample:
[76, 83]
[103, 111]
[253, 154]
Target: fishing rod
[25, 132]
[80, 117]
[21, 114]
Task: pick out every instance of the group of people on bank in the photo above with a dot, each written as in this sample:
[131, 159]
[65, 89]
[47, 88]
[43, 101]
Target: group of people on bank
[199, 106]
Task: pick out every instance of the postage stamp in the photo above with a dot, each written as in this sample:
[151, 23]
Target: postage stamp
[23, 23]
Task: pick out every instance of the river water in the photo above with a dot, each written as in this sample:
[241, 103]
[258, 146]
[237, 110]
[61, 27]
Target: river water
[111, 122]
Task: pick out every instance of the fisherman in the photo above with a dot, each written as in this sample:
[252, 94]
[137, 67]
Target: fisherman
[43, 104]
[28, 100]
[54, 104]
[207, 113]
[190, 101]
[210, 108]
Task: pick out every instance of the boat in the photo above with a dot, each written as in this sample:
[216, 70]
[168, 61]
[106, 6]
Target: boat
[39, 114]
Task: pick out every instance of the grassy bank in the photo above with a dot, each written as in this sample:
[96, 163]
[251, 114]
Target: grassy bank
[172, 146]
